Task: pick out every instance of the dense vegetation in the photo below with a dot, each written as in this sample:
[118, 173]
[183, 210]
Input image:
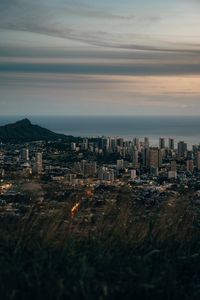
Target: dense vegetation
[120, 256]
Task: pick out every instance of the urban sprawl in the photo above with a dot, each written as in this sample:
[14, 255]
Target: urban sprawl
[94, 171]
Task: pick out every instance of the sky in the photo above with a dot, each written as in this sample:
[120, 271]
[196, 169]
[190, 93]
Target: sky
[89, 57]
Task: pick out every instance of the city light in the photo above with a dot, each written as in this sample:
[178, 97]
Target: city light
[75, 209]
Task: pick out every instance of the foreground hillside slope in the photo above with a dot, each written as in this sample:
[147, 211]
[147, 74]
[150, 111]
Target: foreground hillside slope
[119, 257]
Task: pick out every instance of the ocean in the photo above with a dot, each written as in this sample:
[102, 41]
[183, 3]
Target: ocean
[178, 127]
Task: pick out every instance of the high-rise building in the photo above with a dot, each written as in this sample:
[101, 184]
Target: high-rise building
[38, 163]
[91, 147]
[120, 142]
[84, 145]
[24, 154]
[190, 165]
[145, 156]
[162, 143]
[171, 144]
[85, 142]
[120, 164]
[133, 174]
[2, 173]
[154, 158]
[182, 149]
[105, 144]
[161, 156]
[198, 160]
[113, 144]
[123, 151]
[73, 146]
[83, 164]
[136, 143]
[190, 155]
[195, 148]
[106, 174]
[135, 157]
[146, 142]
[173, 166]
[172, 173]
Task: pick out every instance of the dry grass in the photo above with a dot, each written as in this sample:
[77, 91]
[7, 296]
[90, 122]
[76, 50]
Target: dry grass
[123, 255]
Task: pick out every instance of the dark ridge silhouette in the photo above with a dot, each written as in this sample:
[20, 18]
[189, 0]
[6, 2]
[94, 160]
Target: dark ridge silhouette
[25, 131]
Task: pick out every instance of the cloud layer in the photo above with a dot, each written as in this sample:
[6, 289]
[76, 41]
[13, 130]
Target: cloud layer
[131, 28]
[99, 57]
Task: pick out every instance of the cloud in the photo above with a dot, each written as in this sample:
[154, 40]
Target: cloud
[70, 7]
[139, 69]
[41, 93]
[126, 59]
[70, 20]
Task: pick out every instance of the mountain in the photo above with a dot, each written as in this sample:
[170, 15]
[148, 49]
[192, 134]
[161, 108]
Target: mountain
[24, 131]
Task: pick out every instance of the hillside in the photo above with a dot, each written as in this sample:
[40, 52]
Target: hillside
[25, 131]
[119, 256]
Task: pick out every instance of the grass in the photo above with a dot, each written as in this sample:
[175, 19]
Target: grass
[119, 257]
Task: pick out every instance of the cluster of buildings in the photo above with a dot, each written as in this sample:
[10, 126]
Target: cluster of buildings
[139, 157]
[33, 165]
[20, 160]
[102, 159]
[98, 168]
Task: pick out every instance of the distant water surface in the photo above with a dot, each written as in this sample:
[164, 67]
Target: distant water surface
[180, 128]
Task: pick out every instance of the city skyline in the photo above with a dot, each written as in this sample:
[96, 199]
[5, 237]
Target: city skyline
[108, 58]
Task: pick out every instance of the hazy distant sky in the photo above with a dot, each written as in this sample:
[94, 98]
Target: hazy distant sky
[83, 57]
